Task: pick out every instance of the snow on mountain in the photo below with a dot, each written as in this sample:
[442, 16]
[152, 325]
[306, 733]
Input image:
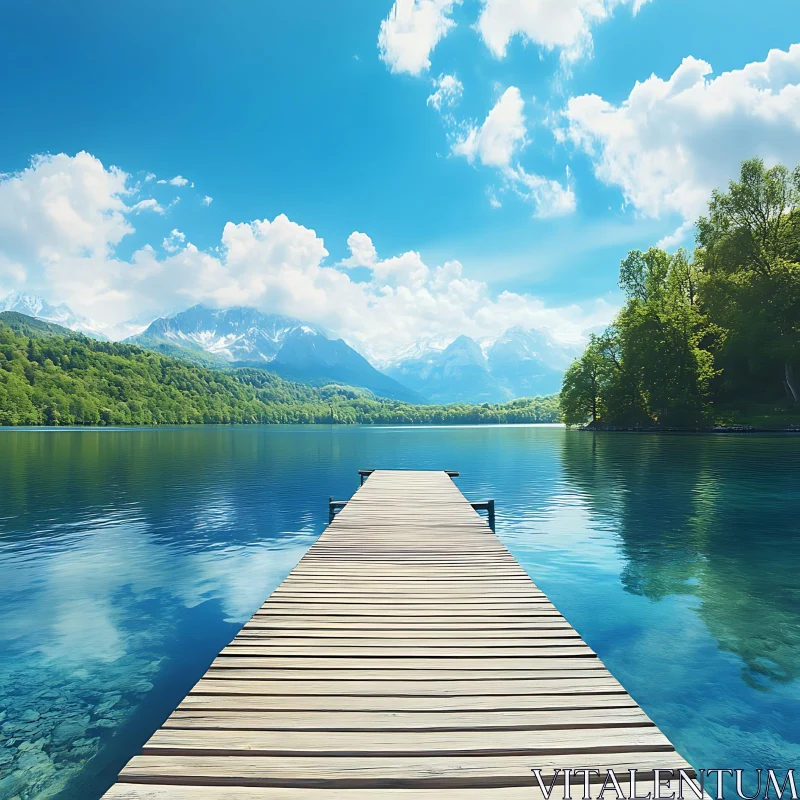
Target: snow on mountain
[35, 306]
[457, 374]
[285, 345]
[232, 334]
[518, 363]
[422, 348]
[519, 344]
[527, 363]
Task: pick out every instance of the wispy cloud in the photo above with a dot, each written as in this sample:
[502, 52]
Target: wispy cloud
[178, 180]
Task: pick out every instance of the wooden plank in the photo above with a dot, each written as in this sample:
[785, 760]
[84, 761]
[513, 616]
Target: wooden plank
[404, 744]
[375, 675]
[409, 665]
[308, 623]
[406, 656]
[386, 703]
[244, 647]
[603, 684]
[407, 720]
[345, 635]
[431, 772]
[545, 638]
[374, 610]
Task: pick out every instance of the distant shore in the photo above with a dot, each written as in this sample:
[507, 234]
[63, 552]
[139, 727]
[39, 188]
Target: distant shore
[711, 429]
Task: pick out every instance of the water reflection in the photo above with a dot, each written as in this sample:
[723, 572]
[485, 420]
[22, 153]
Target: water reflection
[709, 517]
[129, 558]
[117, 548]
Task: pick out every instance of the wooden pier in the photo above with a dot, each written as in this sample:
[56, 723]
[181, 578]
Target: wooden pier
[406, 656]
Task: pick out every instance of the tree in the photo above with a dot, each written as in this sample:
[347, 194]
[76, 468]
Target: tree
[581, 397]
[663, 337]
[653, 365]
[749, 250]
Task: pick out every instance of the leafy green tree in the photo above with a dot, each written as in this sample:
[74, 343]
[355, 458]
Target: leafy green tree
[582, 393]
[719, 330]
[663, 334]
[749, 250]
[652, 366]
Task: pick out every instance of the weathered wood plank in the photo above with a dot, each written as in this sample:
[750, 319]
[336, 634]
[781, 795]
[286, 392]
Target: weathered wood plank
[404, 744]
[344, 636]
[333, 772]
[385, 703]
[603, 684]
[377, 675]
[408, 721]
[410, 666]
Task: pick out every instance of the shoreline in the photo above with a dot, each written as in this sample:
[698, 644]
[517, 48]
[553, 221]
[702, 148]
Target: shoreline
[724, 429]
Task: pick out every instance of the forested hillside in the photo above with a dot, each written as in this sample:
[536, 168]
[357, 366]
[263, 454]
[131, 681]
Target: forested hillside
[709, 338]
[67, 379]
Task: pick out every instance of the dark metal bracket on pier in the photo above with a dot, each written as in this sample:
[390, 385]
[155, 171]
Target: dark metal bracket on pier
[485, 505]
[333, 507]
[365, 473]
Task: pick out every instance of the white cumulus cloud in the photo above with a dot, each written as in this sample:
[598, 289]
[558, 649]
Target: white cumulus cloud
[673, 141]
[362, 251]
[61, 219]
[565, 25]
[61, 206]
[206, 201]
[411, 31]
[501, 134]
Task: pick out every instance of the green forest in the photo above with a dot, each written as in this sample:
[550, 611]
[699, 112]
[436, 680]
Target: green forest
[711, 338]
[51, 376]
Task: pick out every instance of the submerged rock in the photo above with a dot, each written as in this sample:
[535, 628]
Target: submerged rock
[107, 705]
[69, 730]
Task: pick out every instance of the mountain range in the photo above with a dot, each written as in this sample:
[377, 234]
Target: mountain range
[243, 336]
[34, 306]
[518, 363]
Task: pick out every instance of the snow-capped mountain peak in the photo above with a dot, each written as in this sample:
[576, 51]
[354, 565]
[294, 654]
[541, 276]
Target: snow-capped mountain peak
[518, 344]
[239, 333]
[247, 336]
[516, 363]
[34, 305]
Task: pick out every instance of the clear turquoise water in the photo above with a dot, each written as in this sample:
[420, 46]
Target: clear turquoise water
[129, 558]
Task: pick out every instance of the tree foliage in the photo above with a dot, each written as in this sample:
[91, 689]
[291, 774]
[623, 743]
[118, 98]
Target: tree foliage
[48, 379]
[696, 333]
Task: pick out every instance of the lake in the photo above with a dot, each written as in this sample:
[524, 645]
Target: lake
[129, 558]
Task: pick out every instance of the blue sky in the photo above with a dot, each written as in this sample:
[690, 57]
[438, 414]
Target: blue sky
[293, 109]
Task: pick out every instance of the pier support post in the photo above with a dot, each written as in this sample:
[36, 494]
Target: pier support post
[333, 506]
[485, 505]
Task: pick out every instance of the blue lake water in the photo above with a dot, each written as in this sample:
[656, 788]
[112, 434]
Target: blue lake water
[129, 558]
